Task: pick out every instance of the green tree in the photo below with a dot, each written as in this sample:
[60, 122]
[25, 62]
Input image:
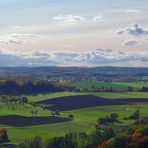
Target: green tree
[35, 142]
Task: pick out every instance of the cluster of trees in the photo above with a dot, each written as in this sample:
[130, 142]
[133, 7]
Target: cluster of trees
[14, 99]
[96, 89]
[71, 140]
[136, 136]
[107, 119]
[55, 113]
[3, 135]
[30, 86]
[111, 89]
[41, 86]
[134, 116]
[144, 89]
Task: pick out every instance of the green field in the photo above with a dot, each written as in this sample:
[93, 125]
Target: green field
[114, 85]
[109, 95]
[85, 120]
[23, 110]
[40, 97]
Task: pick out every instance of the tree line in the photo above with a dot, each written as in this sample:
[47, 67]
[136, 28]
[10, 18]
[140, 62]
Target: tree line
[30, 86]
[70, 140]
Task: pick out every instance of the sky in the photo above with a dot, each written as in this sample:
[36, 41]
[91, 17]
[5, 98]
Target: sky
[74, 33]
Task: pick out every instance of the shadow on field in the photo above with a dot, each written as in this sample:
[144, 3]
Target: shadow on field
[77, 102]
[21, 121]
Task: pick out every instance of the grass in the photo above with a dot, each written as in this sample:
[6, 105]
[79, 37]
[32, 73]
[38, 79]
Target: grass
[89, 84]
[40, 97]
[114, 85]
[22, 110]
[85, 120]
[109, 95]
[125, 95]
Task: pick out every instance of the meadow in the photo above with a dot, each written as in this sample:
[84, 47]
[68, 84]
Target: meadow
[84, 118]
[109, 95]
[115, 85]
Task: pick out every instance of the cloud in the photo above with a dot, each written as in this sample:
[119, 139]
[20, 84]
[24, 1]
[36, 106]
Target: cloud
[98, 18]
[99, 57]
[68, 19]
[110, 56]
[134, 30]
[64, 58]
[130, 42]
[16, 38]
[34, 59]
[132, 11]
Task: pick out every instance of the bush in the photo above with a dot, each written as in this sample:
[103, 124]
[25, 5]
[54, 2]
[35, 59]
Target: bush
[135, 115]
[35, 142]
[3, 135]
[71, 116]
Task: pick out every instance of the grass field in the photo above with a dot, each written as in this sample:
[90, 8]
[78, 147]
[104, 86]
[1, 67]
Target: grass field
[110, 95]
[23, 110]
[40, 97]
[114, 85]
[85, 120]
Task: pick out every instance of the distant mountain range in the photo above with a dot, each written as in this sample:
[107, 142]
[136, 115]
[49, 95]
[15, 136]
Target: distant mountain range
[102, 73]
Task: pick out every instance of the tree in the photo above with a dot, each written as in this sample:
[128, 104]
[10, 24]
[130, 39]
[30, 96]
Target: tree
[3, 135]
[144, 89]
[120, 141]
[130, 89]
[70, 140]
[24, 99]
[32, 112]
[135, 115]
[101, 120]
[35, 142]
[93, 87]
[57, 113]
[114, 116]
[36, 112]
[56, 142]
[71, 116]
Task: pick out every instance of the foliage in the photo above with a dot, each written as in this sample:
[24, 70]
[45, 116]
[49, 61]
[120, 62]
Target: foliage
[107, 119]
[137, 137]
[135, 115]
[71, 116]
[70, 140]
[3, 135]
[30, 86]
[35, 142]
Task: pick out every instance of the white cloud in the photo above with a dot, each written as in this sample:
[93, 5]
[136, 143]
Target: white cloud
[64, 58]
[134, 30]
[98, 18]
[132, 11]
[130, 42]
[16, 38]
[106, 56]
[68, 19]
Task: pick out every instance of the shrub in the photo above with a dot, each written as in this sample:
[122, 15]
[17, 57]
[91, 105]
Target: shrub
[135, 115]
[35, 142]
[71, 116]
